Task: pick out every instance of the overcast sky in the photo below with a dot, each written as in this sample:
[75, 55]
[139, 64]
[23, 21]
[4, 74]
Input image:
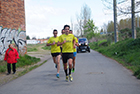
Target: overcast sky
[42, 16]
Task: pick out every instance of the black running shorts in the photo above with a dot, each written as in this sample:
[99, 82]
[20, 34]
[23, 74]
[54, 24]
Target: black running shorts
[67, 56]
[55, 54]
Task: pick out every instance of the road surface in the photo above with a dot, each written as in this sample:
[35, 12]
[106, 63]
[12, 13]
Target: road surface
[95, 74]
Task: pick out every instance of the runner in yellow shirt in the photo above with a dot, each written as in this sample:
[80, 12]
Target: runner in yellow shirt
[55, 50]
[74, 52]
[67, 40]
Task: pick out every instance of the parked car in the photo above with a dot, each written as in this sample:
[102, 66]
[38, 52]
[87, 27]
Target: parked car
[83, 45]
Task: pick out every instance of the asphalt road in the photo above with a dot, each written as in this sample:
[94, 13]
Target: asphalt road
[95, 74]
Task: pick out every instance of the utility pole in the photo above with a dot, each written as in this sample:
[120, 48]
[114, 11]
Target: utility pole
[115, 21]
[133, 19]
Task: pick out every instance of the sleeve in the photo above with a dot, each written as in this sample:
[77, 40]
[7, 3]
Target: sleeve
[49, 41]
[76, 40]
[6, 55]
[73, 37]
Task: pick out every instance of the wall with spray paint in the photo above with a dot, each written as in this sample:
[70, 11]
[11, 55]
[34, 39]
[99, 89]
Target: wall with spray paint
[12, 26]
[7, 36]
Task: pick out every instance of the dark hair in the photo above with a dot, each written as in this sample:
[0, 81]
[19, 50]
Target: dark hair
[62, 29]
[66, 26]
[54, 30]
[70, 30]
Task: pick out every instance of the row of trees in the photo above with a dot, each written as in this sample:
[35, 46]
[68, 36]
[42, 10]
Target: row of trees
[122, 24]
[86, 27]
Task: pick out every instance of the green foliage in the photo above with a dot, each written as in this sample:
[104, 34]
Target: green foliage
[3, 66]
[89, 29]
[27, 37]
[125, 33]
[110, 26]
[126, 52]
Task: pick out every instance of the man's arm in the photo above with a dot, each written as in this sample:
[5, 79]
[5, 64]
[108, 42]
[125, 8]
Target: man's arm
[60, 43]
[49, 44]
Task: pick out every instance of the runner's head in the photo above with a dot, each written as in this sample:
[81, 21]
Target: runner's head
[55, 33]
[71, 32]
[63, 31]
[66, 29]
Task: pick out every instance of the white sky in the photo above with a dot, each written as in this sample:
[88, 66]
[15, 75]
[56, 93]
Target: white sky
[42, 16]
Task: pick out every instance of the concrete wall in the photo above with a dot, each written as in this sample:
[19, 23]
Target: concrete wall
[12, 25]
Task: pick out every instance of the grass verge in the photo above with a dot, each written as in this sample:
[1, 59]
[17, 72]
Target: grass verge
[30, 68]
[22, 62]
[126, 52]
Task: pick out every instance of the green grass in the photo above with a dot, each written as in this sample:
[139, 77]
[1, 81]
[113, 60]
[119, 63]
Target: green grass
[46, 47]
[3, 66]
[22, 62]
[126, 52]
[31, 49]
[27, 60]
[30, 68]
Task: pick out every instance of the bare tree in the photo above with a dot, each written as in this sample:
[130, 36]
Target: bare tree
[104, 27]
[125, 7]
[82, 19]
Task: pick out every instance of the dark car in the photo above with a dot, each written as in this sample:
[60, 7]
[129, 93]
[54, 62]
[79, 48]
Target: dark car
[83, 45]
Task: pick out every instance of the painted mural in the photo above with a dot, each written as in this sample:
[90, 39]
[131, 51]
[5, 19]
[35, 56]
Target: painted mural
[7, 36]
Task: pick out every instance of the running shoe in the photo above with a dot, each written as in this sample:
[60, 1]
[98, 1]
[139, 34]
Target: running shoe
[55, 65]
[70, 78]
[72, 70]
[67, 78]
[57, 75]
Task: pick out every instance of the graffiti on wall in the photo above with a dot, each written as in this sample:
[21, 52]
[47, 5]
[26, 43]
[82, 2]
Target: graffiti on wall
[7, 36]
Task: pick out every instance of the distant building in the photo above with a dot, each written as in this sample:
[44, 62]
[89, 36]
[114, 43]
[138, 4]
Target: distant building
[37, 41]
[32, 41]
[43, 41]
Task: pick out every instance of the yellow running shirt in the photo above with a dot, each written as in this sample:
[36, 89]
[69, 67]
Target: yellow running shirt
[54, 48]
[68, 46]
[76, 41]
